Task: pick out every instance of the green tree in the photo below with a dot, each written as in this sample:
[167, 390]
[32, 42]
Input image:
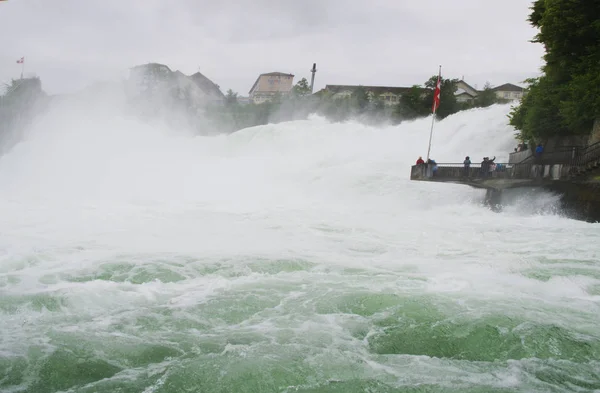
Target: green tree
[360, 99]
[22, 100]
[231, 98]
[21, 91]
[566, 98]
[302, 88]
[486, 97]
[376, 104]
[537, 116]
[277, 98]
[448, 103]
[411, 104]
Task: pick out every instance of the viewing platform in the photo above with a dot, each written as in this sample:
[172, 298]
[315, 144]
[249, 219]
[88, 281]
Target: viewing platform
[504, 176]
[574, 174]
[568, 165]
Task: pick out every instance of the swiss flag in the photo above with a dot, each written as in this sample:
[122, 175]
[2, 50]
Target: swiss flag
[436, 93]
[21, 60]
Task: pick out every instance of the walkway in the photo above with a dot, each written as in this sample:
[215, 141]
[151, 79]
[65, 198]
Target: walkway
[547, 170]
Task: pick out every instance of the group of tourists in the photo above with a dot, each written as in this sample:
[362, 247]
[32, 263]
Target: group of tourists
[430, 163]
[487, 166]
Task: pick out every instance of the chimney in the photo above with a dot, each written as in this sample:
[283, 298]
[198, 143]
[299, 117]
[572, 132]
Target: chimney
[312, 79]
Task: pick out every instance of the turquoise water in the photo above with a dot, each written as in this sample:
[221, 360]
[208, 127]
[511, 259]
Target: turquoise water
[289, 325]
[283, 262]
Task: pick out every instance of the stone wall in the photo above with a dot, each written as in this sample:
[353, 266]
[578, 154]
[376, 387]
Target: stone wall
[580, 201]
[561, 142]
[595, 134]
[514, 158]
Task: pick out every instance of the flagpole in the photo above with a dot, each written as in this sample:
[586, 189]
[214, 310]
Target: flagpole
[434, 109]
[430, 135]
[22, 62]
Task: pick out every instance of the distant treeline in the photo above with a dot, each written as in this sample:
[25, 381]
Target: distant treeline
[22, 99]
[360, 105]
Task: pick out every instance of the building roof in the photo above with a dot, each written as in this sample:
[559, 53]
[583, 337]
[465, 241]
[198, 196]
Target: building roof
[508, 87]
[320, 92]
[276, 74]
[157, 66]
[375, 89]
[467, 85]
[268, 74]
[207, 85]
[461, 91]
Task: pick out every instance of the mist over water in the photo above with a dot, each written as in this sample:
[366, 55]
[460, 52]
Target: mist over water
[294, 257]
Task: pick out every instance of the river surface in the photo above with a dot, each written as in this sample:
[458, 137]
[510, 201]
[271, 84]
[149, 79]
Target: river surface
[295, 257]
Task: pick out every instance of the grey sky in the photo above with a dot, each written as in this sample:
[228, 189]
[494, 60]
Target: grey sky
[72, 43]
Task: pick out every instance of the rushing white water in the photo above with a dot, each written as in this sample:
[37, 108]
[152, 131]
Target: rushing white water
[295, 257]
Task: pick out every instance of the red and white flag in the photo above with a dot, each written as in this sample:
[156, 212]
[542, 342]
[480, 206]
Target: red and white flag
[436, 93]
[21, 60]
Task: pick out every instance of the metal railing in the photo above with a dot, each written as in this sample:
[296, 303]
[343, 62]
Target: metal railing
[457, 172]
[590, 155]
[563, 155]
[565, 163]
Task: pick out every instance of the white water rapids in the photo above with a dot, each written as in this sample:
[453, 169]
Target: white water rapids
[295, 257]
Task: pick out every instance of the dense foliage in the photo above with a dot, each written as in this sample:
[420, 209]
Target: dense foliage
[362, 105]
[565, 100]
[22, 98]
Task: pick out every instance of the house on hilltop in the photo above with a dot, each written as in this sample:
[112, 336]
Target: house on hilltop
[269, 84]
[159, 77]
[465, 92]
[146, 75]
[508, 91]
[210, 88]
[391, 95]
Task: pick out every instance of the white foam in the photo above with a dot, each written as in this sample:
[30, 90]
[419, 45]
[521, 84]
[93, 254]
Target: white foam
[89, 188]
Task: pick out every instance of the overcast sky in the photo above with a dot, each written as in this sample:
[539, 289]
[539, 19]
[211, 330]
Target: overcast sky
[72, 43]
